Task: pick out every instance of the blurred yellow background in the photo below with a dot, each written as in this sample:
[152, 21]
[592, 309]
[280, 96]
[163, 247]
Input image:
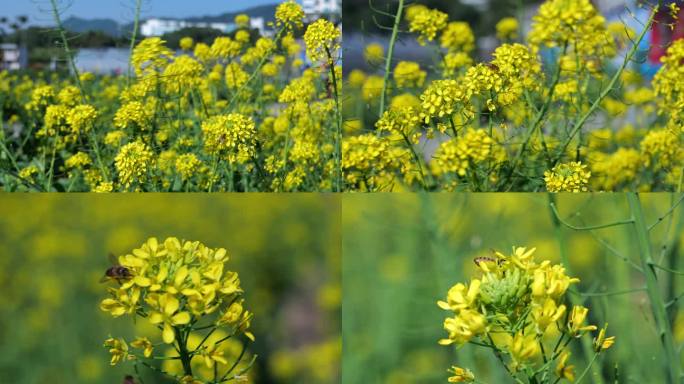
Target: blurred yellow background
[54, 252]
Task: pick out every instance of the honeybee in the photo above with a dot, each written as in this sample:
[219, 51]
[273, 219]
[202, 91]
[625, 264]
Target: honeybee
[116, 271]
[493, 67]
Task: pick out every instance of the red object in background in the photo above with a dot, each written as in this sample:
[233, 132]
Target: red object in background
[662, 35]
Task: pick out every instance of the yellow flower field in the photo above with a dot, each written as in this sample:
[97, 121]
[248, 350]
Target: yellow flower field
[560, 107]
[244, 113]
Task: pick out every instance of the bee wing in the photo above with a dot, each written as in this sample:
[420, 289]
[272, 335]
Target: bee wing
[104, 279]
[112, 259]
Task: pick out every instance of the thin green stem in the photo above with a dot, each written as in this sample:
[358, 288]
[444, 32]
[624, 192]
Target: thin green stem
[390, 53]
[658, 306]
[586, 370]
[134, 36]
[338, 120]
[67, 50]
[588, 228]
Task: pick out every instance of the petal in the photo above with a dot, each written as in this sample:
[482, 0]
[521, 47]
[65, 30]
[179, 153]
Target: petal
[156, 317]
[141, 253]
[168, 335]
[171, 304]
[162, 274]
[181, 318]
[142, 281]
[153, 244]
[220, 254]
[181, 274]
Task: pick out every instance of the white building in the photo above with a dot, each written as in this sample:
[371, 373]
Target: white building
[158, 27]
[11, 56]
[314, 8]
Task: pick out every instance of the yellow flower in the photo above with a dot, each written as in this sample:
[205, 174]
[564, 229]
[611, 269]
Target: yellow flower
[567, 177]
[213, 355]
[145, 344]
[409, 74]
[28, 172]
[242, 20]
[458, 37]
[233, 134]
[122, 302]
[187, 164]
[546, 314]
[601, 342]
[131, 114]
[118, 348]
[321, 40]
[460, 375]
[426, 22]
[289, 14]
[132, 163]
[461, 296]
[563, 370]
[463, 327]
[78, 161]
[507, 29]
[150, 55]
[168, 315]
[374, 53]
[576, 320]
[523, 348]
[186, 43]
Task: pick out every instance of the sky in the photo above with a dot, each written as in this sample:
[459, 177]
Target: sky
[122, 10]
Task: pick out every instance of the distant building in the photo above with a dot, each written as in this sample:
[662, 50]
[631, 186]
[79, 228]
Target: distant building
[158, 27]
[12, 57]
[316, 8]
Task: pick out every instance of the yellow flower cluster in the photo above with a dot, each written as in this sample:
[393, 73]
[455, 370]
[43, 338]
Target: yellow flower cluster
[668, 85]
[150, 55]
[567, 177]
[574, 24]
[132, 163]
[232, 136]
[402, 121]
[407, 74]
[458, 37]
[289, 14]
[426, 22]
[465, 152]
[181, 287]
[662, 148]
[321, 39]
[513, 306]
[132, 114]
[507, 29]
[228, 105]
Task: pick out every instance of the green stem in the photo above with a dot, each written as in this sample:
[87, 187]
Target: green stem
[390, 53]
[672, 363]
[134, 36]
[67, 50]
[338, 119]
[586, 370]
[183, 352]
